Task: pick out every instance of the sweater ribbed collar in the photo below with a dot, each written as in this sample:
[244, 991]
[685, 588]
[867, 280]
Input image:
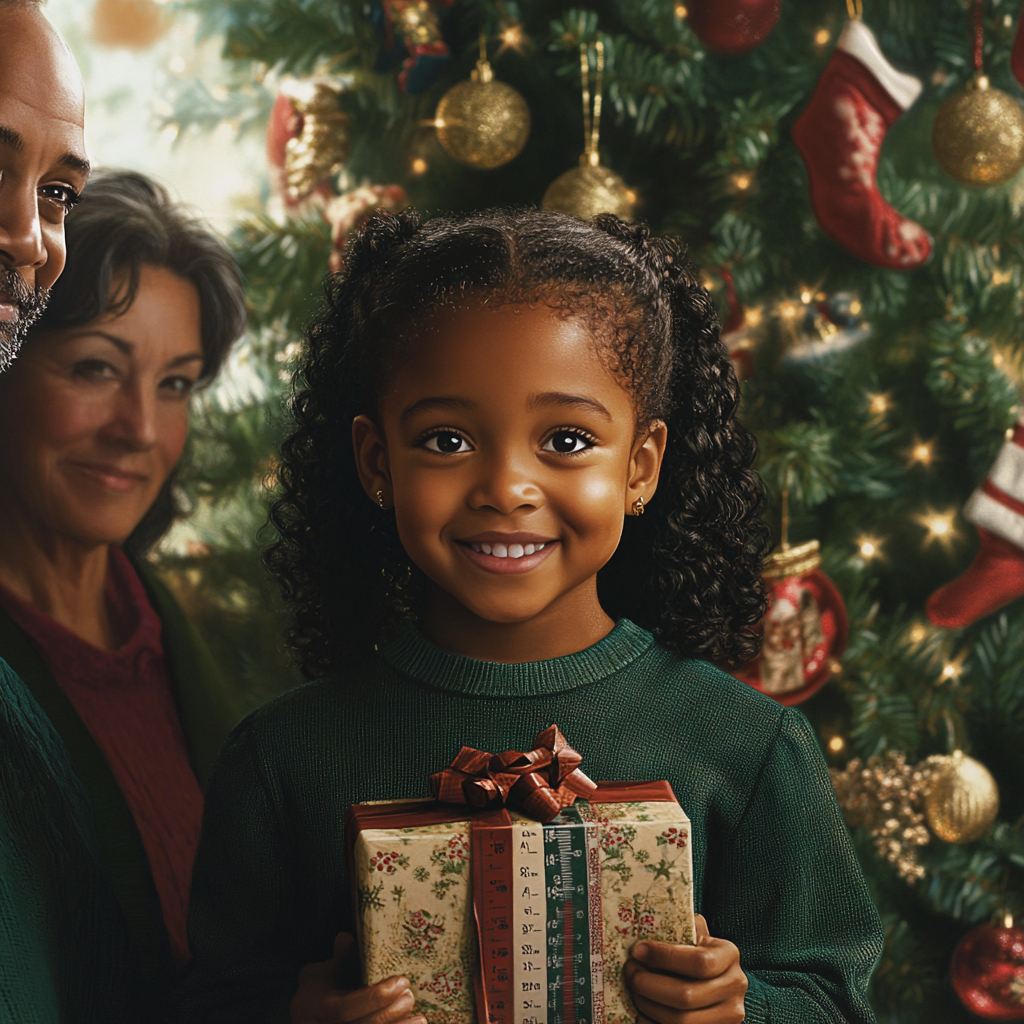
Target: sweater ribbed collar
[410, 653]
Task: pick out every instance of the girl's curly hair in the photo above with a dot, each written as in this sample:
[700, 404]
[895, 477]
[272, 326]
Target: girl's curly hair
[690, 569]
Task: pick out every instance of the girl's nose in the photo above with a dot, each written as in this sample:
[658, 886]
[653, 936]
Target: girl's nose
[505, 485]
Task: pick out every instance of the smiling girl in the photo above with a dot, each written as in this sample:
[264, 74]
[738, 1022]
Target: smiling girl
[484, 404]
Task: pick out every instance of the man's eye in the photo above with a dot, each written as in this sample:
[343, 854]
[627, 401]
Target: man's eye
[567, 442]
[447, 442]
[62, 195]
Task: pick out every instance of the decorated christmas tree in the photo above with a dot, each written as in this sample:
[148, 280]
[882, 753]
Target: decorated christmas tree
[847, 179]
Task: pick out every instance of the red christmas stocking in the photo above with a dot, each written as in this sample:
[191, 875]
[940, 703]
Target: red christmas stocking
[996, 575]
[1017, 54]
[839, 136]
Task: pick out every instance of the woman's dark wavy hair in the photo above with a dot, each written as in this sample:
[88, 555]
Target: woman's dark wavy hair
[127, 221]
[690, 569]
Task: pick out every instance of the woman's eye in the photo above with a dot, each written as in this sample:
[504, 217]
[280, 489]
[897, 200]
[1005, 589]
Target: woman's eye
[179, 386]
[63, 195]
[567, 442]
[447, 442]
[95, 369]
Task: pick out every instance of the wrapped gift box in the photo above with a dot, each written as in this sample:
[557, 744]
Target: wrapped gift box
[495, 917]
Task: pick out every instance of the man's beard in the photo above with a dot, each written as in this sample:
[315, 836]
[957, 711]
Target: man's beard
[30, 302]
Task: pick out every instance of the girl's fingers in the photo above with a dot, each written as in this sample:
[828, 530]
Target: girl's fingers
[709, 959]
[730, 1012]
[387, 1002]
[681, 993]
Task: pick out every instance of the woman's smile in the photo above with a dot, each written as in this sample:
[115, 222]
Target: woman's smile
[112, 477]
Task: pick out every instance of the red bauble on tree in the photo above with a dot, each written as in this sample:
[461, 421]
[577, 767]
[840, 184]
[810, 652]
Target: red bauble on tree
[733, 26]
[988, 971]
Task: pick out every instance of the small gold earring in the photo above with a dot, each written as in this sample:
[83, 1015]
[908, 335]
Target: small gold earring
[638, 506]
[380, 499]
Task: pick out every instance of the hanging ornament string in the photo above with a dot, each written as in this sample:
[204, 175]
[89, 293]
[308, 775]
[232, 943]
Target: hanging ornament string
[592, 120]
[979, 36]
[855, 9]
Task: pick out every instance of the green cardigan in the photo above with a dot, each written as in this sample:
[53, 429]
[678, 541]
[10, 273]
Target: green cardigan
[774, 869]
[207, 709]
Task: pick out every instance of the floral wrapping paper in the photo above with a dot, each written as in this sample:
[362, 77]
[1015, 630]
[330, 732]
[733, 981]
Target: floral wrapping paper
[415, 917]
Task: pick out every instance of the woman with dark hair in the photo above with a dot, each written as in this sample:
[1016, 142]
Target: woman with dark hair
[93, 420]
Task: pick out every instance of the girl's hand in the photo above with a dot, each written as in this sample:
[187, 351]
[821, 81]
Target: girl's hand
[699, 984]
[319, 1000]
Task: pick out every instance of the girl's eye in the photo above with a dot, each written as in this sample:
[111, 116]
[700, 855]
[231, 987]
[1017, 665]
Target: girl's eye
[447, 442]
[567, 442]
[62, 195]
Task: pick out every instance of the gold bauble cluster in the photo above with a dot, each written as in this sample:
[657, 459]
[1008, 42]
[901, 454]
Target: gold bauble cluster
[588, 190]
[962, 799]
[954, 794]
[978, 135]
[482, 123]
[321, 148]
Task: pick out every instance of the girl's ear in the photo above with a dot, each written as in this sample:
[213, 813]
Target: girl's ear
[645, 465]
[371, 453]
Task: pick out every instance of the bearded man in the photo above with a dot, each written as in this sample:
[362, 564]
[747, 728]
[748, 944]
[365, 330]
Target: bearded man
[43, 166]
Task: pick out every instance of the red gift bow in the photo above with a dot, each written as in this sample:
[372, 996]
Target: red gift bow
[539, 783]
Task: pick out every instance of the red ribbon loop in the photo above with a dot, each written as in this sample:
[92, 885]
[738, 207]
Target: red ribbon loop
[539, 783]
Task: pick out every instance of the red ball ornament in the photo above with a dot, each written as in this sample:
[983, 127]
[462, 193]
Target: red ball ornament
[805, 628]
[732, 26]
[988, 971]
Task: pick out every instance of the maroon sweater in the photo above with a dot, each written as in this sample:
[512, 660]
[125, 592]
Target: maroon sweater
[125, 700]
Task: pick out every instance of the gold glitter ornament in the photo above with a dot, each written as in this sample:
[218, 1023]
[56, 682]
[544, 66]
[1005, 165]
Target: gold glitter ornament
[590, 189]
[978, 135]
[962, 799]
[321, 148]
[482, 123]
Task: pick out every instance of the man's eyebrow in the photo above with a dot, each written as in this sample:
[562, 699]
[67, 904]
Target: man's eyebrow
[75, 163]
[11, 139]
[437, 402]
[548, 398]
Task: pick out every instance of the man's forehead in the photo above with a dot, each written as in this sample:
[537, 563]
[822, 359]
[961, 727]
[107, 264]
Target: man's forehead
[38, 75]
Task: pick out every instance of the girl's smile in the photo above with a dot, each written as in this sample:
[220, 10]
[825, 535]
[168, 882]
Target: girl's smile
[510, 454]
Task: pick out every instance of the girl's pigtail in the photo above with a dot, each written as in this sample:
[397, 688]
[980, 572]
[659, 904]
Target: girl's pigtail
[329, 534]
[711, 539]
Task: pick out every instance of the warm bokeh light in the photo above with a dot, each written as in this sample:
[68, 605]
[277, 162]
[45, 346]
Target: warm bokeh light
[512, 38]
[741, 182]
[806, 295]
[855, 307]
[918, 633]
[681, 11]
[921, 453]
[419, 166]
[1001, 277]
[836, 744]
[879, 404]
[951, 669]
[789, 310]
[822, 36]
[869, 547]
[753, 316]
[631, 197]
[939, 526]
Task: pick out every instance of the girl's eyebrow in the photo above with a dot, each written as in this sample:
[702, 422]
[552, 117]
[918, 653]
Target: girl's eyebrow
[563, 399]
[437, 402]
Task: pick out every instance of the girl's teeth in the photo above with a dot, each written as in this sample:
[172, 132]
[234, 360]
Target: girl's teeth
[515, 550]
[529, 549]
[485, 548]
[499, 551]
[511, 551]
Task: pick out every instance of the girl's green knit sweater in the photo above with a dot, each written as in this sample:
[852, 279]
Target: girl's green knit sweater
[774, 870]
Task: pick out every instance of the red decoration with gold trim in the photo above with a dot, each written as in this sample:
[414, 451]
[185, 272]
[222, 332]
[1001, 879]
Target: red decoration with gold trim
[987, 971]
[805, 628]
